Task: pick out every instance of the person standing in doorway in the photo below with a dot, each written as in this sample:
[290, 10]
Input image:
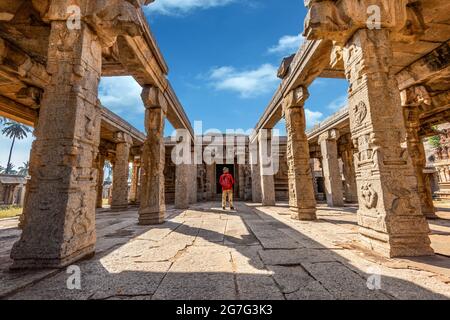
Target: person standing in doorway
[227, 182]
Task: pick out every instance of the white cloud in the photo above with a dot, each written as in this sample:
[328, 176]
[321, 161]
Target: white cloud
[175, 7]
[312, 117]
[122, 95]
[338, 103]
[248, 83]
[287, 45]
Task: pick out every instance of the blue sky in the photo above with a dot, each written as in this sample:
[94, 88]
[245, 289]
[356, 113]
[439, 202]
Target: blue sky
[223, 56]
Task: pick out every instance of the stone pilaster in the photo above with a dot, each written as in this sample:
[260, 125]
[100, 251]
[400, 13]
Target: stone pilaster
[331, 169]
[390, 217]
[241, 182]
[302, 200]
[152, 209]
[350, 188]
[133, 194]
[182, 186]
[61, 199]
[121, 171]
[412, 99]
[266, 167]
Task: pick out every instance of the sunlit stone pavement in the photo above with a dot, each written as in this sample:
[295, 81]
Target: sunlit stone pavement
[254, 253]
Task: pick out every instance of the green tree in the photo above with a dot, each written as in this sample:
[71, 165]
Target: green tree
[108, 168]
[15, 131]
[435, 141]
[23, 170]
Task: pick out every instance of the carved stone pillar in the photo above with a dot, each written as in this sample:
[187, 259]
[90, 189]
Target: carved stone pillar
[121, 172]
[242, 182]
[182, 187]
[152, 209]
[331, 169]
[256, 173]
[302, 200]
[265, 163]
[61, 200]
[412, 98]
[101, 158]
[390, 217]
[350, 188]
[133, 194]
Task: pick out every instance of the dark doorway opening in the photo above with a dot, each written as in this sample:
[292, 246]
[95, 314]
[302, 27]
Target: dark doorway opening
[219, 172]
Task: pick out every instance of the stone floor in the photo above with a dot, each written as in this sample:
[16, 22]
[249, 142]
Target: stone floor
[254, 253]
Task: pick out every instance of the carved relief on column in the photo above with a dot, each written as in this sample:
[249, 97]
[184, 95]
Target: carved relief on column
[100, 162]
[414, 100]
[63, 184]
[152, 209]
[121, 171]
[331, 169]
[302, 200]
[390, 217]
[347, 152]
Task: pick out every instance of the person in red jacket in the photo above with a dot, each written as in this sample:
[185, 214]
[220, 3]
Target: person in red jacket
[227, 182]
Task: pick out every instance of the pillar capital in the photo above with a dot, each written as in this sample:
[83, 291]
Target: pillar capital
[153, 98]
[123, 137]
[339, 20]
[296, 98]
[329, 135]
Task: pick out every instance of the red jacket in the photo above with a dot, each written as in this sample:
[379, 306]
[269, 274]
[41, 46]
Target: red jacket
[226, 181]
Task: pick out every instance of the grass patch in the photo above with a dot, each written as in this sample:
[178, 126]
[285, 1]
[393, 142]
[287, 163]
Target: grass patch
[10, 211]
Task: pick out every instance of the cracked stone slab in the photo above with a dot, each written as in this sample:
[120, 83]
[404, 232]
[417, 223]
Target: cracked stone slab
[296, 256]
[341, 282]
[296, 284]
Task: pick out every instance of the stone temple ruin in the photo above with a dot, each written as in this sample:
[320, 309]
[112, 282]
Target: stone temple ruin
[399, 90]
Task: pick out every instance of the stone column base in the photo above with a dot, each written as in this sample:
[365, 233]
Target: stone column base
[41, 262]
[148, 219]
[391, 246]
[303, 214]
[119, 208]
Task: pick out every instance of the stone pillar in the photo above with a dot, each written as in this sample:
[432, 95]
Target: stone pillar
[350, 189]
[61, 200]
[241, 182]
[331, 169]
[210, 182]
[390, 217]
[182, 173]
[101, 157]
[302, 200]
[153, 208]
[255, 172]
[193, 187]
[412, 99]
[133, 195]
[121, 172]
[265, 166]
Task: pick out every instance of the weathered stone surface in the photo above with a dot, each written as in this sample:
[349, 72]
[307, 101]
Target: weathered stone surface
[266, 162]
[182, 186]
[152, 208]
[331, 170]
[63, 184]
[301, 190]
[121, 170]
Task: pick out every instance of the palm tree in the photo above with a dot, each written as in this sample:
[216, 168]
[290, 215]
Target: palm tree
[23, 170]
[14, 130]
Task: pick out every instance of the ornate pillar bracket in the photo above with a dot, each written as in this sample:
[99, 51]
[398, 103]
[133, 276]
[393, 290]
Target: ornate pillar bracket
[302, 200]
[152, 208]
[331, 169]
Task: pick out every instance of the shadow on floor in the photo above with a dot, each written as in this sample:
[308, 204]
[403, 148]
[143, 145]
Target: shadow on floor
[281, 263]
